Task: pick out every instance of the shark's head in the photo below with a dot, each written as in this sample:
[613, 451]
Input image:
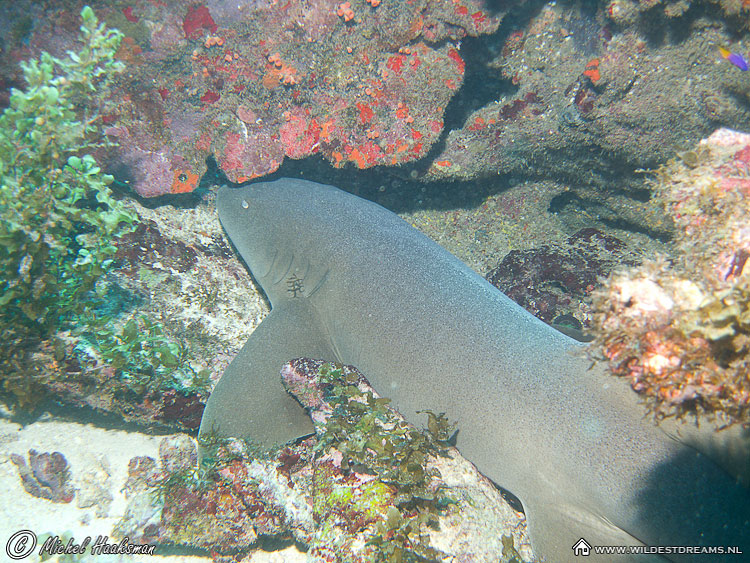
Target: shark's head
[265, 222]
[247, 215]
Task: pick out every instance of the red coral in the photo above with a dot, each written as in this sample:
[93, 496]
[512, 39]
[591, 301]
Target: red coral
[479, 18]
[592, 70]
[453, 54]
[128, 13]
[232, 152]
[298, 137]
[395, 63]
[197, 19]
[365, 113]
[276, 74]
[371, 152]
[210, 97]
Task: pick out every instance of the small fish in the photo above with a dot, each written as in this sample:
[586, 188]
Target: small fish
[735, 58]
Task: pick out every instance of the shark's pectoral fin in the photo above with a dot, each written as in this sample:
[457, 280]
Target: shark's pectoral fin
[556, 530]
[249, 401]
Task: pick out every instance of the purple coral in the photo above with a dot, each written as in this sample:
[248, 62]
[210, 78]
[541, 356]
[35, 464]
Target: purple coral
[553, 280]
[46, 476]
[185, 409]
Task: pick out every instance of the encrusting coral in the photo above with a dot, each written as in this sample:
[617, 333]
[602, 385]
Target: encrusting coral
[679, 328]
[254, 83]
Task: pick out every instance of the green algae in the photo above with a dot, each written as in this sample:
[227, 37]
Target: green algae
[394, 508]
[60, 222]
[59, 216]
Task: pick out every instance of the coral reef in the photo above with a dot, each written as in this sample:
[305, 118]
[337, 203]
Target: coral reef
[554, 281]
[258, 82]
[75, 271]
[373, 495]
[46, 476]
[679, 328]
[363, 85]
[174, 307]
[624, 12]
[175, 300]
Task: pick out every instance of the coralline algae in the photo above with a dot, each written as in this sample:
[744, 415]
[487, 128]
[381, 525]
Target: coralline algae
[259, 82]
[678, 328]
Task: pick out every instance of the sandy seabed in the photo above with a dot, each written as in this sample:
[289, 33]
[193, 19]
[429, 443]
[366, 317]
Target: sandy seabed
[87, 448]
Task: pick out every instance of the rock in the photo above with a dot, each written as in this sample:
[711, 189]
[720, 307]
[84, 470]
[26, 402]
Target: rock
[46, 476]
[554, 281]
[94, 487]
[581, 101]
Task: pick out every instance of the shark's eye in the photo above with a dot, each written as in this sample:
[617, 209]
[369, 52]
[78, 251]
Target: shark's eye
[182, 177]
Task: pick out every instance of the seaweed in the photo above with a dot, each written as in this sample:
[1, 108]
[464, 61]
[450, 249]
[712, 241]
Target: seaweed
[58, 215]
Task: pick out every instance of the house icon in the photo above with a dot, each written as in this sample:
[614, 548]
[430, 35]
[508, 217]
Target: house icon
[581, 547]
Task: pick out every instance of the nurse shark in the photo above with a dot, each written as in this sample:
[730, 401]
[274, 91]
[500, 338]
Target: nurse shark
[351, 282]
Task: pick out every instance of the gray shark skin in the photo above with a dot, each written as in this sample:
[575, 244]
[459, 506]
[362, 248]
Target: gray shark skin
[351, 282]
